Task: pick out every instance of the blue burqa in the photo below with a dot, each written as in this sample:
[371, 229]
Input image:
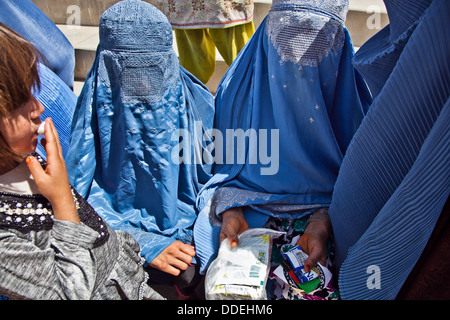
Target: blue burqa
[394, 180]
[294, 92]
[136, 117]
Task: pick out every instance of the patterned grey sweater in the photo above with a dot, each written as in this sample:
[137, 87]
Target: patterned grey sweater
[43, 258]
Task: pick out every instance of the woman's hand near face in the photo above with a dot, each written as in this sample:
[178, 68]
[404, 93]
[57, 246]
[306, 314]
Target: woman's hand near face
[53, 182]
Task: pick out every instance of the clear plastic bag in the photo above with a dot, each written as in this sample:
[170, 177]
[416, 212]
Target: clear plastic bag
[241, 273]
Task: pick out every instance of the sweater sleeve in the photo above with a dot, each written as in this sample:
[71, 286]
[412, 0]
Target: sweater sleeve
[59, 265]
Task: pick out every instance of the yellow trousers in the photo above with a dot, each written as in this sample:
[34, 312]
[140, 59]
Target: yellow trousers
[197, 47]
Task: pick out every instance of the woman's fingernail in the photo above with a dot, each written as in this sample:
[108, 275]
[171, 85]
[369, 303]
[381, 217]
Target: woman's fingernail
[29, 159]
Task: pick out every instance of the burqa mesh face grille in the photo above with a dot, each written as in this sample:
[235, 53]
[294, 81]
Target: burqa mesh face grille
[317, 26]
[137, 82]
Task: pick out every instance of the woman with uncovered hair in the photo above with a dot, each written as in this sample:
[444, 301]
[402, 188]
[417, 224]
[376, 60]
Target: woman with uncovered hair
[53, 245]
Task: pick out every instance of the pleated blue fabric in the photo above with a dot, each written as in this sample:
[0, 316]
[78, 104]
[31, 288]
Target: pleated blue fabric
[394, 179]
[378, 56]
[59, 104]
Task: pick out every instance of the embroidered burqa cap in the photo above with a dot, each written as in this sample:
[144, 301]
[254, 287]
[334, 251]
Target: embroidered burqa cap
[136, 105]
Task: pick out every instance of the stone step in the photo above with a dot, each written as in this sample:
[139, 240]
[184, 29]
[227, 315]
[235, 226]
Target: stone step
[364, 19]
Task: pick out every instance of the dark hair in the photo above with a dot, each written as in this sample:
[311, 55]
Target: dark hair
[18, 75]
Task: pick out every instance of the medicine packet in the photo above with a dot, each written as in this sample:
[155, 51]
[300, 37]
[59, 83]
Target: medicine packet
[297, 258]
[292, 271]
[241, 272]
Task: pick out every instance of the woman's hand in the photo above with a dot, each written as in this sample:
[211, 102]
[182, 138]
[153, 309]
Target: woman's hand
[53, 182]
[233, 223]
[176, 257]
[314, 240]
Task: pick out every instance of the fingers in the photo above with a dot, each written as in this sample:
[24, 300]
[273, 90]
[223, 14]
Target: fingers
[52, 145]
[231, 234]
[315, 248]
[187, 249]
[176, 257]
[35, 168]
[230, 231]
[315, 257]
[171, 270]
[233, 223]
